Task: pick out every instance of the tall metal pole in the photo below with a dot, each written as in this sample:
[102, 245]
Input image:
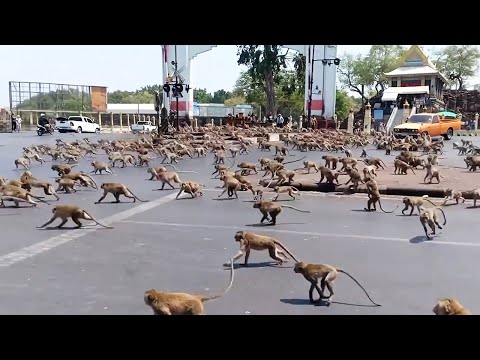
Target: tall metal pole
[310, 82]
[176, 82]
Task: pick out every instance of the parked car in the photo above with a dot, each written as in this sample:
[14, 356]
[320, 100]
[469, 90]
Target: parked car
[79, 124]
[433, 124]
[143, 126]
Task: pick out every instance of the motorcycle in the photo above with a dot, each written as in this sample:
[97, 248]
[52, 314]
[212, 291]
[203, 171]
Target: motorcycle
[44, 130]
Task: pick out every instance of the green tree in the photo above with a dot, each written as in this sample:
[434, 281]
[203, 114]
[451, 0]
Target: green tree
[220, 96]
[235, 100]
[458, 63]
[263, 63]
[201, 96]
[382, 59]
[343, 104]
[354, 74]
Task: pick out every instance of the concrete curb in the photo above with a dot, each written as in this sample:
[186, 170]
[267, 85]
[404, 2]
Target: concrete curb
[385, 190]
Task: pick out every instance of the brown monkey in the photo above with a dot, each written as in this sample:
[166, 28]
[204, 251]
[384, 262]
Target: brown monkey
[348, 162]
[330, 160]
[231, 185]
[246, 168]
[378, 163]
[117, 189]
[14, 192]
[374, 197]
[251, 241]
[413, 201]
[48, 189]
[429, 216]
[310, 164]
[84, 179]
[355, 176]
[285, 189]
[451, 194]
[450, 306]
[279, 159]
[166, 177]
[100, 166]
[76, 213]
[22, 162]
[273, 209]
[283, 150]
[170, 303]
[63, 168]
[218, 169]
[284, 176]
[402, 167]
[273, 167]
[192, 188]
[327, 274]
[144, 160]
[432, 172]
[326, 173]
[172, 157]
[66, 185]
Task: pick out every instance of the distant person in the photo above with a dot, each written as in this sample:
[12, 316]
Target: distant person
[18, 121]
[14, 123]
[280, 120]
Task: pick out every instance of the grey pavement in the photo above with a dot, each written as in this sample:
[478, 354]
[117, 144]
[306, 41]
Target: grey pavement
[181, 246]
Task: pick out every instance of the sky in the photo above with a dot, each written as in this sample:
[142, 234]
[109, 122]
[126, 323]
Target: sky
[120, 67]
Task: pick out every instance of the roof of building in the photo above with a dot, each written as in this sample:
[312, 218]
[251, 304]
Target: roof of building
[391, 93]
[415, 62]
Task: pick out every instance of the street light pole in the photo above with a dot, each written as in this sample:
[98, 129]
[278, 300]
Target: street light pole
[176, 82]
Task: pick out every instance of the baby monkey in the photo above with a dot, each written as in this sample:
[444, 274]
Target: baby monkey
[429, 216]
[76, 213]
[285, 189]
[117, 189]
[251, 241]
[327, 274]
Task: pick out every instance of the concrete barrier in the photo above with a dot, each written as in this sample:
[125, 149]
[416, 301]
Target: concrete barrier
[384, 189]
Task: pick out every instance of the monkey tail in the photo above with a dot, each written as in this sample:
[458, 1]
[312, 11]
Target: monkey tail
[204, 298]
[386, 212]
[285, 248]
[361, 287]
[295, 189]
[171, 166]
[136, 197]
[431, 202]
[39, 199]
[385, 165]
[232, 161]
[443, 213]
[96, 186]
[289, 162]
[294, 208]
[269, 183]
[96, 222]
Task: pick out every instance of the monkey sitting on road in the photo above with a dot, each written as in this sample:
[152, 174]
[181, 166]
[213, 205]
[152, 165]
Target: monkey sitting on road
[429, 216]
[192, 188]
[251, 241]
[100, 166]
[327, 275]
[170, 303]
[273, 209]
[285, 189]
[76, 213]
[413, 201]
[450, 306]
[117, 189]
[451, 194]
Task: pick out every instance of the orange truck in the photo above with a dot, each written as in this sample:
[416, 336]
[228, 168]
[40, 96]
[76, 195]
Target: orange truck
[433, 124]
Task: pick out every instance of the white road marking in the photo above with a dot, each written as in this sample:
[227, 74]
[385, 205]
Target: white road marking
[325, 235]
[70, 235]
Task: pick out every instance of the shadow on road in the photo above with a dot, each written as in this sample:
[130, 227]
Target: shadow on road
[471, 207]
[268, 224]
[418, 239]
[257, 265]
[321, 303]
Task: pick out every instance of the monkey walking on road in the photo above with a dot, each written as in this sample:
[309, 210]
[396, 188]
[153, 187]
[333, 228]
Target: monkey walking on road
[429, 216]
[76, 213]
[117, 189]
[273, 209]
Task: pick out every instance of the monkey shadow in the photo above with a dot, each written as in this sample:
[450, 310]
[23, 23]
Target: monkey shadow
[163, 189]
[321, 303]
[224, 199]
[257, 265]
[406, 215]
[53, 228]
[114, 202]
[365, 211]
[268, 224]
[470, 207]
[419, 239]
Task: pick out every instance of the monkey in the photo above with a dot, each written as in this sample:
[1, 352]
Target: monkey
[257, 194]
[125, 158]
[23, 162]
[26, 175]
[200, 151]
[432, 159]
[378, 163]
[84, 179]
[48, 188]
[144, 160]
[100, 166]
[451, 194]
[330, 160]
[348, 153]
[429, 216]
[13, 192]
[283, 150]
[272, 167]
[66, 185]
[327, 274]
[273, 209]
[219, 157]
[246, 168]
[364, 153]
[388, 149]
[34, 156]
[285, 189]
[172, 157]
[170, 303]
[166, 177]
[326, 173]
[231, 185]
[190, 187]
[234, 151]
[279, 159]
[348, 162]
[76, 213]
[374, 197]
[15, 199]
[263, 162]
[218, 169]
[402, 167]
[63, 168]
[450, 306]
[70, 158]
[310, 164]
[251, 241]
[284, 176]
[369, 170]
[432, 172]
[355, 177]
[117, 189]
[413, 201]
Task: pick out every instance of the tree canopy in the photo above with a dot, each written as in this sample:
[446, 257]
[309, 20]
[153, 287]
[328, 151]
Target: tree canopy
[459, 63]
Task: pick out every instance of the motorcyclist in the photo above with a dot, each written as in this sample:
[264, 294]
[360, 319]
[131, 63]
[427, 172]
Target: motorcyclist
[43, 121]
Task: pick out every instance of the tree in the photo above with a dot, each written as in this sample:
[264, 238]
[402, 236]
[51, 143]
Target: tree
[382, 59]
[220, 96]
[235, 100]
[343, 104]
[355, 74]
[458, 63]
[202, 96]
[264, 64]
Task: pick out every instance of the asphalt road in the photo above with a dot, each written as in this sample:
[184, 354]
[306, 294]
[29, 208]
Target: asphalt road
[181, 246]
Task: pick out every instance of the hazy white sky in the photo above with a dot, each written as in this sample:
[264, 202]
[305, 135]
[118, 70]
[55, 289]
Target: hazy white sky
[119, 66]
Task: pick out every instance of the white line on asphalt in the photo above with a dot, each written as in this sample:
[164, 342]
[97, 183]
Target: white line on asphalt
[325, 235]
[53, 242]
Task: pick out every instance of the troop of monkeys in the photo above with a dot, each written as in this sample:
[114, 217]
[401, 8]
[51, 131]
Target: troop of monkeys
[186, 145]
